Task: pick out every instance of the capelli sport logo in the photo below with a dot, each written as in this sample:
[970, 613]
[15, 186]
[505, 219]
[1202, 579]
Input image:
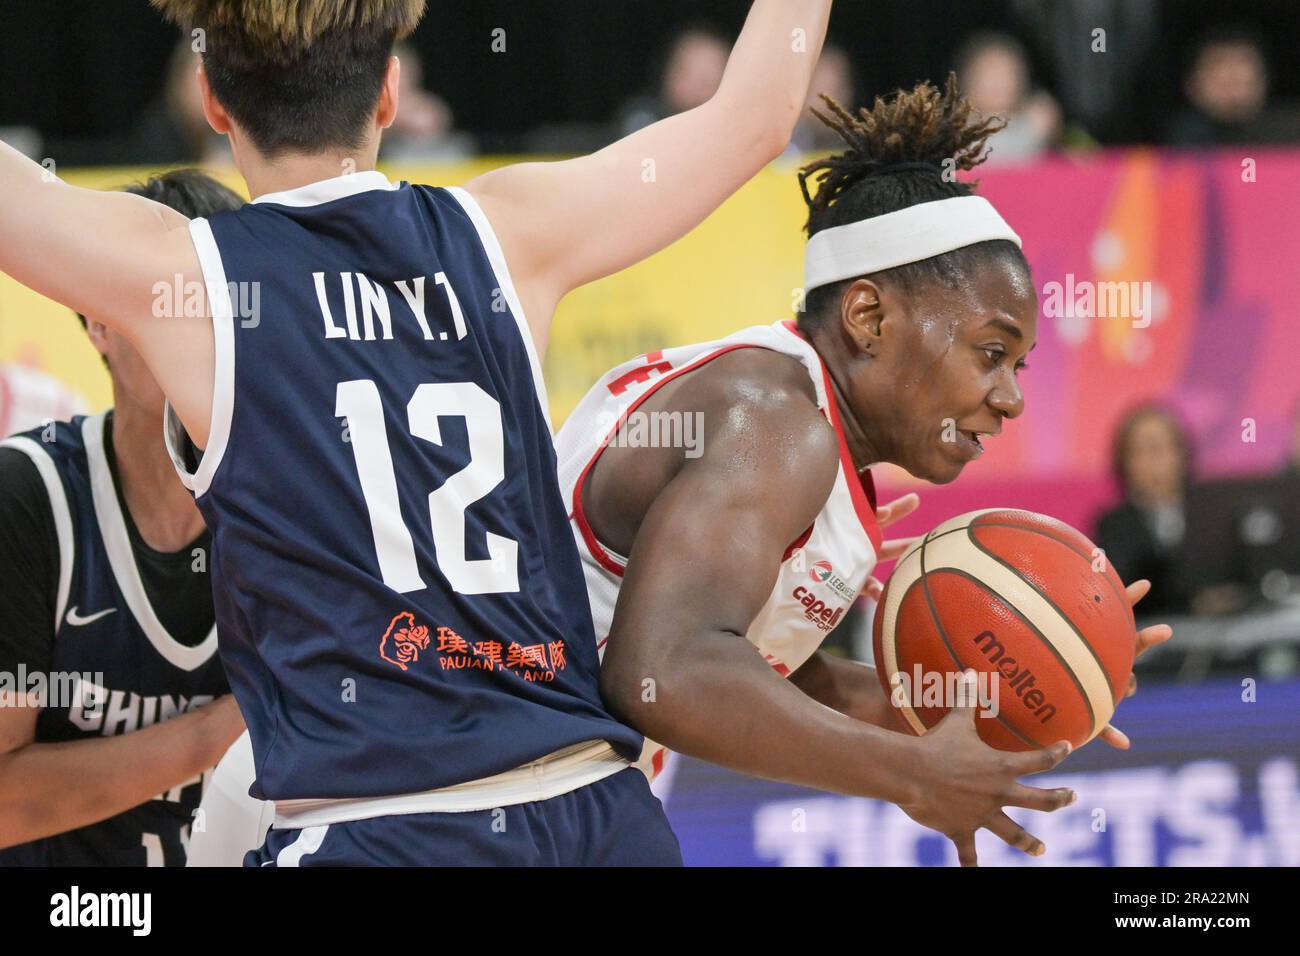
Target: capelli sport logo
[822, 573]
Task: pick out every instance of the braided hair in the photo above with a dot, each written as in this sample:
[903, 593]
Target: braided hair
[903, 151]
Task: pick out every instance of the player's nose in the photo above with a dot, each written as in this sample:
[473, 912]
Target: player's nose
[1007, 400]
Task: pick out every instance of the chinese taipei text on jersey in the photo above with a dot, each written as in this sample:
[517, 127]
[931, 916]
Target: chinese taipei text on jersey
[822, 572]
[403, 614]
[105, 625]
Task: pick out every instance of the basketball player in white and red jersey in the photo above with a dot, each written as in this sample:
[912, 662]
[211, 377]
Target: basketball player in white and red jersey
[920, 311]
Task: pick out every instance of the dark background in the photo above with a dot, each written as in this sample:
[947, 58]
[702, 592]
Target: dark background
[84, 68]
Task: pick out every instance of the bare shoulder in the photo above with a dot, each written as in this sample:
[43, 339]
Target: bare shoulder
[760, 413]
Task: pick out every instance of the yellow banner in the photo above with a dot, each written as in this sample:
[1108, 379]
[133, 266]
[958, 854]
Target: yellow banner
[742, 267]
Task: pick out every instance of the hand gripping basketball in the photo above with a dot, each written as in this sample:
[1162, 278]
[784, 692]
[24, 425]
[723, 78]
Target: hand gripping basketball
[963, 784]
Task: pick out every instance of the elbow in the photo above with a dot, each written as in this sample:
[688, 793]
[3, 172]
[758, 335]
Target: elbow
[762, 129]
[625, 687]
[634, 688]
[614, 690]
[774, 145]
[772, 137]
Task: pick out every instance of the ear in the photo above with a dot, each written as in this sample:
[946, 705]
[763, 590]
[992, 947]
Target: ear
[216, 114]
[388, 94]
[98, 334]
[862, 317]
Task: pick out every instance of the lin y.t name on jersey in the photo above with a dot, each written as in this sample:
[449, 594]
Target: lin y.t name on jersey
[369, 300]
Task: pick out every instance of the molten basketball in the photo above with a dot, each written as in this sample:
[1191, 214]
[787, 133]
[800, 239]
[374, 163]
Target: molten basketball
[1027, 602]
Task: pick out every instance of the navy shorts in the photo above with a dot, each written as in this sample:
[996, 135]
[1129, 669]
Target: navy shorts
[613, 822]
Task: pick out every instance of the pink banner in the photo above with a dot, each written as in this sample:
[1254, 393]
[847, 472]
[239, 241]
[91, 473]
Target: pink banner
[1164, 276]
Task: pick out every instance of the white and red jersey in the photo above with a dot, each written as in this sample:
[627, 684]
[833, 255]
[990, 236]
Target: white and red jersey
[822, 571]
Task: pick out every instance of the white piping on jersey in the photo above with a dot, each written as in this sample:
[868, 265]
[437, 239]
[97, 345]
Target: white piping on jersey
[496, 257]
[62, 516]
[223, 373]
[554, 775]
[117, 544]
[327, 190]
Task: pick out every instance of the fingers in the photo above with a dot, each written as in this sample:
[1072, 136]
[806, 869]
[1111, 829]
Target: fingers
[874, 589]
[1132, 685]
[965, 849]
[1115, 737]
[898, 509]
[1013, 834]
[967, 692]
[1153, 635]
[1038, 761]
[1137, 591]
[895, 547]
[1033, 798]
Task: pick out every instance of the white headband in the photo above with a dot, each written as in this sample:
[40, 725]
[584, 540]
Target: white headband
[897, 238]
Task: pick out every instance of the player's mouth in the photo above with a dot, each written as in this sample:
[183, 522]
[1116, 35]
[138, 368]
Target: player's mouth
[969, 442]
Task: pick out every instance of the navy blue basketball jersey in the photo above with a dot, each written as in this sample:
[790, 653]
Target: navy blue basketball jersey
[115, 669]
[400, 600]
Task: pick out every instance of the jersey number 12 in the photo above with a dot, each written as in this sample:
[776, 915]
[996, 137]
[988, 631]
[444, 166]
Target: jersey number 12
[359, 402]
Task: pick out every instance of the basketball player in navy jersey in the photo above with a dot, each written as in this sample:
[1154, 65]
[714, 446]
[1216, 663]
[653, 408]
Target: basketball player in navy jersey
[103, 571]
[359, 411]
[907, 353]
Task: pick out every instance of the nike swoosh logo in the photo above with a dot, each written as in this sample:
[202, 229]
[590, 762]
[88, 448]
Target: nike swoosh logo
[76, 620]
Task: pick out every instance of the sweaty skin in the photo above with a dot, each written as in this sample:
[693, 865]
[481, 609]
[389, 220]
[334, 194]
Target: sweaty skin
[705, 537]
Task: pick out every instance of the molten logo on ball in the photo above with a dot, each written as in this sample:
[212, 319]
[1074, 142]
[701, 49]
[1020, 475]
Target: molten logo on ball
[1020, 679]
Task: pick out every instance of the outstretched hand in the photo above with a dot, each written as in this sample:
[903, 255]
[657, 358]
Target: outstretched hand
[891, 550]
[963, 784]
[1146, 638]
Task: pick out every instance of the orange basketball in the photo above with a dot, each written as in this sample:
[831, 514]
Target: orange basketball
[1027, 602]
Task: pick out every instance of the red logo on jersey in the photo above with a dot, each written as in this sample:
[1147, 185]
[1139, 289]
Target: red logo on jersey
[821, 571]
[403, 641]
[816, 610]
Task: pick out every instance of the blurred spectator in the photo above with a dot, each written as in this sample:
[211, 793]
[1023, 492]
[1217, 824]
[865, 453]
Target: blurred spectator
[422, 131]
[1143, 536]
[26, 139]
[1097, 52]
[993, 72]
[30, 398]
[1227, 90]
[172, 129]
[834, 77]
[693, 67]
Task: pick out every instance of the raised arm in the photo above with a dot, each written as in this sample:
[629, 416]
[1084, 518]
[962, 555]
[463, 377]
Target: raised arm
[104, 254]
[567, 223]
[99, 253]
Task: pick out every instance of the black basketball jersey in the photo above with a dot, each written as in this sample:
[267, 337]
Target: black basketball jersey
[115, 668]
